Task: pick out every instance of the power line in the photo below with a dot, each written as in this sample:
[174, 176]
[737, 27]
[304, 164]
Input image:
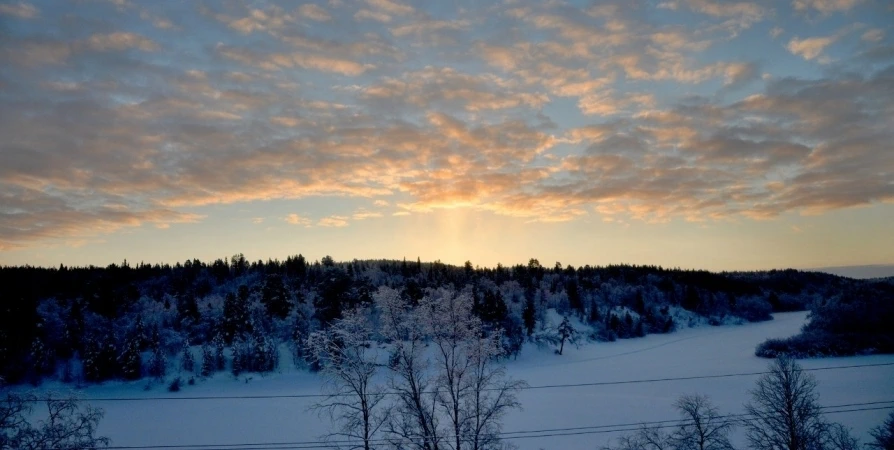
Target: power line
[509, 435]
[535, 387]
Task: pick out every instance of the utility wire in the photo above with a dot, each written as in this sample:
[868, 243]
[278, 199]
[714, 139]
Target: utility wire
[524, 388]
[508, 435]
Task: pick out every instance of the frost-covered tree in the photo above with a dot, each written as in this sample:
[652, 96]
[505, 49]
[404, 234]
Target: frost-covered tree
[235, 314]
[300, 332]
[565, 332]
[100, 357]
[43, 360]
[492, 393]
[239, 357]
[158, 361]
[414, 421]
[264, 357]
[131, 360]
[473, 391]
[349, 363]
[209, 366]
[187, 361]
[219, 346]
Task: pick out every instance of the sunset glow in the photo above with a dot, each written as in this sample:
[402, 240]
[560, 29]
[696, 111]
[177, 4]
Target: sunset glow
[685, 133]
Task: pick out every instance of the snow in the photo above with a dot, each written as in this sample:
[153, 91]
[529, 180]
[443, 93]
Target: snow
[699, 351]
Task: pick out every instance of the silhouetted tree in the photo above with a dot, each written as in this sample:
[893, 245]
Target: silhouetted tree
[783, 412]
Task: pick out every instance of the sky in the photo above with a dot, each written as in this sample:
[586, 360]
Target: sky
[720, 135]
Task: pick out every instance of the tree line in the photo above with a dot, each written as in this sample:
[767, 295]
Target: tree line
[123, 321]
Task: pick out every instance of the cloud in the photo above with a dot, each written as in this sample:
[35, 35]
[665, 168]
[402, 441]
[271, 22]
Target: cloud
[444, 86]
[739, 16]
[427, 26]
[809, 48]
[605, 104]
[121, 41]
[281, 61]
[825, 6]
[314, 12]
[333, 222]
[363, 214]
[32, 216]
[391, 7]
[873, 35]
[295, 219]
[606, 112]
[746, 12]
[21, 10]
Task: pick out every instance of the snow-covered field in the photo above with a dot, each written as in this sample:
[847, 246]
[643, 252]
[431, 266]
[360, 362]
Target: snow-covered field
[694, 352]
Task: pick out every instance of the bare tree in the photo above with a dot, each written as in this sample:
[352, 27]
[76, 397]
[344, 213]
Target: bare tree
[839, 437]
[884, 435]
[67, 424]
[784, 413]
[647, 438]
[492, 392]
[413, 422]
[473, 391]
[702, 427]
[349, 363]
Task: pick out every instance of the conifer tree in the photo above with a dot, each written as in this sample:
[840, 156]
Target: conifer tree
[187, 362]
[566, 332]
[42, 359]
[238, 358]
[529, 315]
[158, 361]
[299, 337]
[208, 364]
[219, 346]
[131, 361]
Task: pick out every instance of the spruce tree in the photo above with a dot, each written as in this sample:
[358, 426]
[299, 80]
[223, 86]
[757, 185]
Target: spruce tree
[238, 358]
[187, 362]
[595, 317]
[566, 332]
[299, 337]
[529, 315]
[219, 346]
[131, 361]
[158, 361]
[209, 365]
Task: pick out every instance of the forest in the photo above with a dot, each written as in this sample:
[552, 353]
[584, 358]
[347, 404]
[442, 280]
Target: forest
[123, 321]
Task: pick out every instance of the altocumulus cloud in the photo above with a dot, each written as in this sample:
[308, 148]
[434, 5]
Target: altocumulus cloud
[119, 114]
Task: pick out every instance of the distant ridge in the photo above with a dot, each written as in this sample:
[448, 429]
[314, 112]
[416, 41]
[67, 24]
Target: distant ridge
[862, 272]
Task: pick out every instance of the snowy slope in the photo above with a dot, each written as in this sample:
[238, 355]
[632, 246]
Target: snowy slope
[687, 353]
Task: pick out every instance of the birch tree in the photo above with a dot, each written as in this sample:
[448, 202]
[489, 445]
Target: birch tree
[414, 420]
[348, 362]
[473, 391]
[784, 410]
